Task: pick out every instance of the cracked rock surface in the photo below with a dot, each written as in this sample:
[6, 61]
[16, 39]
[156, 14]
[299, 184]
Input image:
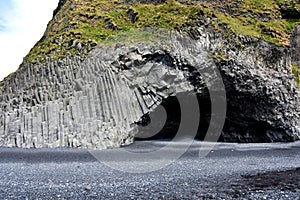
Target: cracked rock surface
[96, 102]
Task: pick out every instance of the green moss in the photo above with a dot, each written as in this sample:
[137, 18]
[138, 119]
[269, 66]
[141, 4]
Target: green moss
[86, 22]
[296, 72]
[275, 30]
[221, 57]
[238, 25]
[261, 8]
[133, 36]
[91, 25]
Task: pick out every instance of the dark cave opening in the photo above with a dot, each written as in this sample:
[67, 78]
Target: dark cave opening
[170, 124]
[240, 126]
[241, 123]
[168, 127]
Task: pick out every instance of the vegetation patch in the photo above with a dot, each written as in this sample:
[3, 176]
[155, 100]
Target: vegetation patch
[258, 18]
[296, 72]
[91, 23]
[80, 25]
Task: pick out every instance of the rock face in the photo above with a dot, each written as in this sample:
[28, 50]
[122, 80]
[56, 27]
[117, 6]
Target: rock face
[263, 100]
[98, 101]
[295, 42]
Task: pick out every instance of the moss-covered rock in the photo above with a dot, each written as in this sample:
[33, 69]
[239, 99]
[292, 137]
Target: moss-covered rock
[80, 25]
[296, 72]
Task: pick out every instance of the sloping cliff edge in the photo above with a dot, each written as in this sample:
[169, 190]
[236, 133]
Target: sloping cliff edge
[96, 97]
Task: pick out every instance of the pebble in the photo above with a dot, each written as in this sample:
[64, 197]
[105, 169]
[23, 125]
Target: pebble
[88, 187]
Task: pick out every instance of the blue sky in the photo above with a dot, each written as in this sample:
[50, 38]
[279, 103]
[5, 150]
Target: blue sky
[5, 5]
[22, 24]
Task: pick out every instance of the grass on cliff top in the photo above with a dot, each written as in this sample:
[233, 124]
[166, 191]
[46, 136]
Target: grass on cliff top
[93, 23]
[296, 72]
[261, 18]
[276, 31]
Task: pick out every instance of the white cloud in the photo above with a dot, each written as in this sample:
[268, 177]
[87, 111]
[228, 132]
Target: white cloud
[24, 25]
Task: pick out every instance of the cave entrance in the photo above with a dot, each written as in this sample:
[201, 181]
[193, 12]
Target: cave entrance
[164, 121]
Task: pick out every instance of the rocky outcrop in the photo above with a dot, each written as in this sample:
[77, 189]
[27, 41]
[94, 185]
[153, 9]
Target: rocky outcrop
[97, 101]
[295, 43]
[105, 89]
[263, 99]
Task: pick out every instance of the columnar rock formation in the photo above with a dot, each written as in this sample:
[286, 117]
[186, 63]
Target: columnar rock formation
[295, 42]
[96, 101]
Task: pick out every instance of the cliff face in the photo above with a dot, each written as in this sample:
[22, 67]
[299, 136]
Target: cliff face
[98, 96]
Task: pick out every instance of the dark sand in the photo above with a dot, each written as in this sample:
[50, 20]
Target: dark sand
[230, 171]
